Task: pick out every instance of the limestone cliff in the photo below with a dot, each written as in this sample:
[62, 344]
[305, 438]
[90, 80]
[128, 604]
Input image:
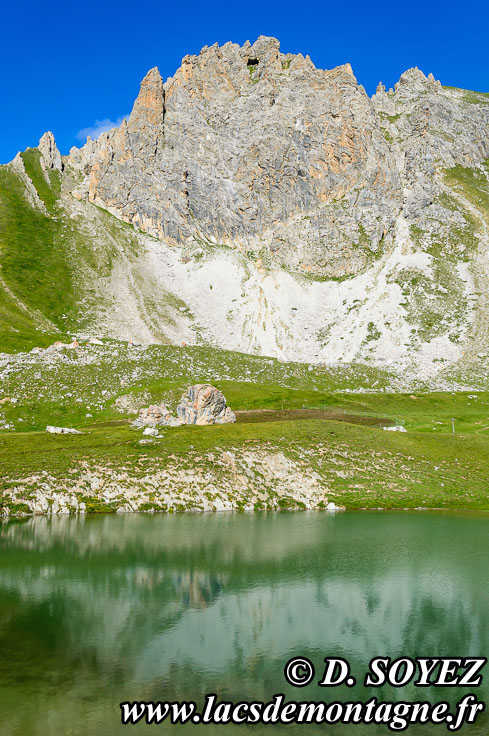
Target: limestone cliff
[261, 151]
[278, 209]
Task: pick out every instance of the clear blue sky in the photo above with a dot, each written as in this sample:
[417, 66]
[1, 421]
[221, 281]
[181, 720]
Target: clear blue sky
[64, 66]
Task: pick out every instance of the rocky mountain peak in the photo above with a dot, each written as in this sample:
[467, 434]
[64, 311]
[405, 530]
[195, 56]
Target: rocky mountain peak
[265, 51]
[50, 155]
[413, 82]
[239, 147]
[253, 167]
[149, 105]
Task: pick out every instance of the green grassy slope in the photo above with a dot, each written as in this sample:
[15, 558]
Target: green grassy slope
[37, 284]
[54, 258]
[473, 185]
[361, 466]
[89, 380]
[49, 260]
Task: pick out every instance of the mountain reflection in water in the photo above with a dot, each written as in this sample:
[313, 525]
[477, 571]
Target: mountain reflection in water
[96, 610]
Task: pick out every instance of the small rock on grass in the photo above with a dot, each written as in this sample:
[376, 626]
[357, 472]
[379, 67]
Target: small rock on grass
[61, 430]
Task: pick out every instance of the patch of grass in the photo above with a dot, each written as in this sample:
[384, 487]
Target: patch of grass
[429, 310]
[477, 98]
[251, 70]
[93, 505]
[18, 327]
[286, 502]
[48, 192]
[373, 333]
[312, 277]
[363, 239]
[471, 96]
[416, 233]
[13, 508]
[472, 184]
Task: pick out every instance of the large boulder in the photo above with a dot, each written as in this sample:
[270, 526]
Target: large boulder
[204, 404]
[201, 404]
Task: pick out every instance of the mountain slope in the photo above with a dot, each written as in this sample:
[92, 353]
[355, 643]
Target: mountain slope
[256, 203]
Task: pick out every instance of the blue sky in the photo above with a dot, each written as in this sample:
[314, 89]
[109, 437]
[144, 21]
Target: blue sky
[65, 66]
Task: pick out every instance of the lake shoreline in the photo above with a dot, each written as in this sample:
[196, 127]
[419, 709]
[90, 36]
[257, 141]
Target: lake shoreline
[283, 465]
[4, 518]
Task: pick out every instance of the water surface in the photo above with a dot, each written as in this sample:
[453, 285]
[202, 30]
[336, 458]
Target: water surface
[97, 610]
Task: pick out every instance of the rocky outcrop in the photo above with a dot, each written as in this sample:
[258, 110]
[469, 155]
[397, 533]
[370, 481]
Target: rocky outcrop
[154, 416]
[201, 404]
[432, 128]
[50, 156]
[262, 478]
[204, 404]
[144, 128]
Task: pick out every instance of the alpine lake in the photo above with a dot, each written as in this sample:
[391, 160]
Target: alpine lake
[96, 610]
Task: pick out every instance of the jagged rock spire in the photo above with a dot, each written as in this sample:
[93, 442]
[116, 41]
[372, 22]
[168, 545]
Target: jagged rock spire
[145, 124]
[51, 157]
[149, 106]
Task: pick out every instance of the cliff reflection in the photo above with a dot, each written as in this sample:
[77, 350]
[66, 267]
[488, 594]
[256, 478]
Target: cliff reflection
[143, 607]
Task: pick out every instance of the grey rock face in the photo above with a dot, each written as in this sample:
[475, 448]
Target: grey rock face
[434, 127]
[256, 150]
[50, 156]
[204, 404]
[260, 151]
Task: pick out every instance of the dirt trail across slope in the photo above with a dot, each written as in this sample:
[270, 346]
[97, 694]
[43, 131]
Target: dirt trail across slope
[289, 415]
[255, 416]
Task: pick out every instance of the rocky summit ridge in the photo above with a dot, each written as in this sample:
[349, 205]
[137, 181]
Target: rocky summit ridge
[276, 208]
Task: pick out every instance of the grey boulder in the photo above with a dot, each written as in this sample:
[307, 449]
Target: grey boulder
[204, 404]
[201, 404]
